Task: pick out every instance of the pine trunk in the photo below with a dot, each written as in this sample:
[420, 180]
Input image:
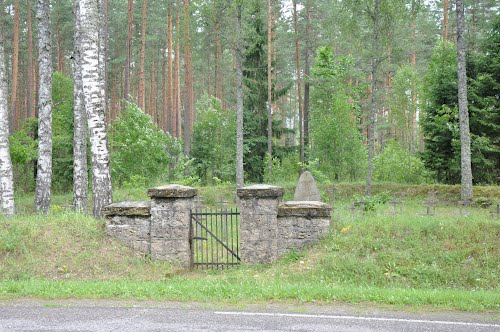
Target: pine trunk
[466, 169]
[307, 73]
[177, 79]
[373, 109]
[445, 19]
[299, 85]
[171, 119]
[15, 66]
[94, 105]
[269, 89]
[30, 84]
[6, 175]
[80, 169]
[142, 78]
[126, 89]
[188, 83]
[44, 164]
[239, 102]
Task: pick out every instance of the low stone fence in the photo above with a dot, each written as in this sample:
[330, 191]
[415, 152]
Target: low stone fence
[269, 228]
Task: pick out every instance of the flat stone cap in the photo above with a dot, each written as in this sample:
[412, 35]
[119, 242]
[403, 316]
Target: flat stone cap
[308, 209]
[260, 191]
[172, 191]
[127, 208]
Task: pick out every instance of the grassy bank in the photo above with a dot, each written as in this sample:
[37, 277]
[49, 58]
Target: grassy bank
[445, 261]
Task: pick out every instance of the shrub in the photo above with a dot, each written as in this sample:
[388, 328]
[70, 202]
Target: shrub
[141, 152]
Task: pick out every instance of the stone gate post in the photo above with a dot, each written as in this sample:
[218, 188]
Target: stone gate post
[170, 223]
[259, 223]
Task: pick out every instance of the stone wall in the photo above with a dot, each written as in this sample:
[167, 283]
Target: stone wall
[159, 228]
[269, 228]
[130, 222]
[302, 223]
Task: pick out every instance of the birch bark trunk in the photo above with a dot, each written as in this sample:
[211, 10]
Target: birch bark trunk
[6, 176]
[80, 168]
[94, 104]
[44, 164]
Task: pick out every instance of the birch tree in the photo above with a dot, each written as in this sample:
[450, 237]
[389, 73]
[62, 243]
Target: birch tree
[80, 169]
[44, 165]
[94, 104]
[6, 177]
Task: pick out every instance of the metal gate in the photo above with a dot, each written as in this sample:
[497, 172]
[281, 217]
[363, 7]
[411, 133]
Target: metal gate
[215, 238]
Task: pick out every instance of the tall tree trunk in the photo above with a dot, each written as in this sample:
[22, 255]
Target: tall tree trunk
[171, 120]
[164, 104]
[373, 110]
[60, 51]
[299, 85]
[130, 9]
[413, 61]
[44, 165]
[15, 66]
[445, 19]
[307, 73]
[80, 169]
[466, 169]
[177, 79]
[269, 89]
[188, 83]
[6, 175]
[239, 100]
[29, 107]
[103, 54]
[94, 105]
[142, 78]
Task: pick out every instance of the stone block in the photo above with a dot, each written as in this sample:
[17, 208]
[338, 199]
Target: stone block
[260, 191]
[172, 191]
[127, 208]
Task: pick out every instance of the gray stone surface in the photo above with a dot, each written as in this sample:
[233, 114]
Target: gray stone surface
[260, 190]
[259, 223]
[170, 223]
[133, 231]
[306, 189]
[127, 208]
[308, 209]
[172, 191]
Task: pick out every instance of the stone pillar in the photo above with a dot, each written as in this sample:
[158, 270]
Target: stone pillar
[302, 223]
[170, 223]
[259, 223]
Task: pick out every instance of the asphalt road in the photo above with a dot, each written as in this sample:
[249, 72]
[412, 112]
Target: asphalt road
[85, 316]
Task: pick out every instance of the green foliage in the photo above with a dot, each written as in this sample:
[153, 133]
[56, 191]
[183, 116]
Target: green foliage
[396, 164]
[370, 203]
[23, 148]
[23, 152]
[336, 140]
[403, 106]
[140, 151]
[214, 142]
[62, 132]
[285, 169]
[440, 121]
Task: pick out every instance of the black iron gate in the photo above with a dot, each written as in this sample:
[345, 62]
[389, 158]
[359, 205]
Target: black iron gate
[215, 238]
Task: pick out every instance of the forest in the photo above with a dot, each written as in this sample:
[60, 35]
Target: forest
[102, 93]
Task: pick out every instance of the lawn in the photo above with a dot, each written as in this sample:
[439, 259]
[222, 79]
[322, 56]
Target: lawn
[450, 260]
